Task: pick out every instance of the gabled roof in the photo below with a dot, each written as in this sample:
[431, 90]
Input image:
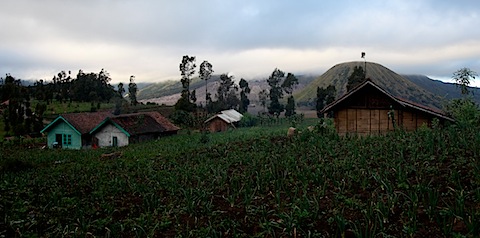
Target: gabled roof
[229, 116]
[82, 122]
[139, 123]
[402, 102]
[162, 121]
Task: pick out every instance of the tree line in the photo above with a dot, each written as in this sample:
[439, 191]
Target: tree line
[21, 119]
[226, 96]
[230, 95]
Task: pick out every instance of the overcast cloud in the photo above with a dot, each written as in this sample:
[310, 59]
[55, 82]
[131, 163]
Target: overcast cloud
[249, 38]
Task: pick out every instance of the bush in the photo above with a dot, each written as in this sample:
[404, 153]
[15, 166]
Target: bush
[182, 118]
[465, 112]
[248, 120]
[326, 126]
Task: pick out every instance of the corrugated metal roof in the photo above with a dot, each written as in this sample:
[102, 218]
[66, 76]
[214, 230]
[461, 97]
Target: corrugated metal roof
[229, 116]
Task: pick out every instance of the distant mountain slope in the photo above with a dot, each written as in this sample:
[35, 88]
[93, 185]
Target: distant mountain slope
[442, 89]
[382, 76]
[415, 88]
[169, 92]
[169, 88]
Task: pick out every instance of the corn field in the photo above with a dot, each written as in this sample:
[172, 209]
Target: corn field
[250, 182]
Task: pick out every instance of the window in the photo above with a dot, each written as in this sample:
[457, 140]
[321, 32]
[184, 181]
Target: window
[67, 139]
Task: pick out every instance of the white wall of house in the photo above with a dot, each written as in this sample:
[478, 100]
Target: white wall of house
[105, 136]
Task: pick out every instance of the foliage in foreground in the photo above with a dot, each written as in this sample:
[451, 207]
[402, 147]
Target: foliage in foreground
[250, 182]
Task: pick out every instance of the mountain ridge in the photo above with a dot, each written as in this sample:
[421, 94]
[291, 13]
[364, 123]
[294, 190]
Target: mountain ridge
[413, 87]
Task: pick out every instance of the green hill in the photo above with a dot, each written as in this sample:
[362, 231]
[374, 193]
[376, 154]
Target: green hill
[382, 76]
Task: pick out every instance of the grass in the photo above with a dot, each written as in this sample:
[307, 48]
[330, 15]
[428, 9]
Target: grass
[250, 182]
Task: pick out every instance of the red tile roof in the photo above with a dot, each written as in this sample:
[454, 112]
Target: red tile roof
[144, 122]
[84, 122]
[162, 121]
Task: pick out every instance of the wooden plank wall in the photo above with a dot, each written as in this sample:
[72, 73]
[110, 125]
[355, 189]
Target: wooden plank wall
[217, 125]
[375, 121]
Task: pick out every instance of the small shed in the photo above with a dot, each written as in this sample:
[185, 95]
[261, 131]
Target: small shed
[223, 120]
[368, 109]
[131, 128]
[71, 131]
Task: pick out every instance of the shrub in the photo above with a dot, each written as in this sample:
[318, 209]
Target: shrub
[182, 118]
[465, 112]
[248, 120]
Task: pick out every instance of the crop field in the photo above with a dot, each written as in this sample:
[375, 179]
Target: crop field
[249, 182]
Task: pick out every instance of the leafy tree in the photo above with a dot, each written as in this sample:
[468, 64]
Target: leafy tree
[325, 96]
[290, 107]
[276, 92]
[187, 69]
[40, 90]
[288, 85]
[120, 90]
[205, 72]
[356, 78]
[464, 110]
[63, 84]
[226, 95]
[244, 101]
[193, 96]
[463, 77]
[119, 99]
[87, 87]
[183, 104]
[132, 91]
[18, 116]
[263, 97]
[40, 109]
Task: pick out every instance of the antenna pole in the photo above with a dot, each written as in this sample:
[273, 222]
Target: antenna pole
[365, 69]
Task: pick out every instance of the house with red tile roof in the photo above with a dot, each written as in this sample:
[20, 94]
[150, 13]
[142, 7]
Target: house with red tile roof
[72, 130]
[369, 109]
[125, 129]
[86, 130]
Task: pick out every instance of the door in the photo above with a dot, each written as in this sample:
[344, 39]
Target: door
[114, 141]
[58, 141]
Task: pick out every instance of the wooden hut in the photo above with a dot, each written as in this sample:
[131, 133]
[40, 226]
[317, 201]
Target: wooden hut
[223, 120]
[368, 109]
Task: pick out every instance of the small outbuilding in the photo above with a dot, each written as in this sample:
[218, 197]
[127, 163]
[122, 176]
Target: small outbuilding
[368, 109]
[125, 129]
[223, 120]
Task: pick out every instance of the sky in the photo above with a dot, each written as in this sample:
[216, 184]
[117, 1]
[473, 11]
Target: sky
[246, 38]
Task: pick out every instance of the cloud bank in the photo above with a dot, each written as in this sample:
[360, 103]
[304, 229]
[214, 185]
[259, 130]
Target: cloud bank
[148, 38]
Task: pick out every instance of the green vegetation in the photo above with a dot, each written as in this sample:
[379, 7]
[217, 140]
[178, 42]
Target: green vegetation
[249, 182]
[356, 78]
[325, 96]
[279, 83]
[55, 107]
